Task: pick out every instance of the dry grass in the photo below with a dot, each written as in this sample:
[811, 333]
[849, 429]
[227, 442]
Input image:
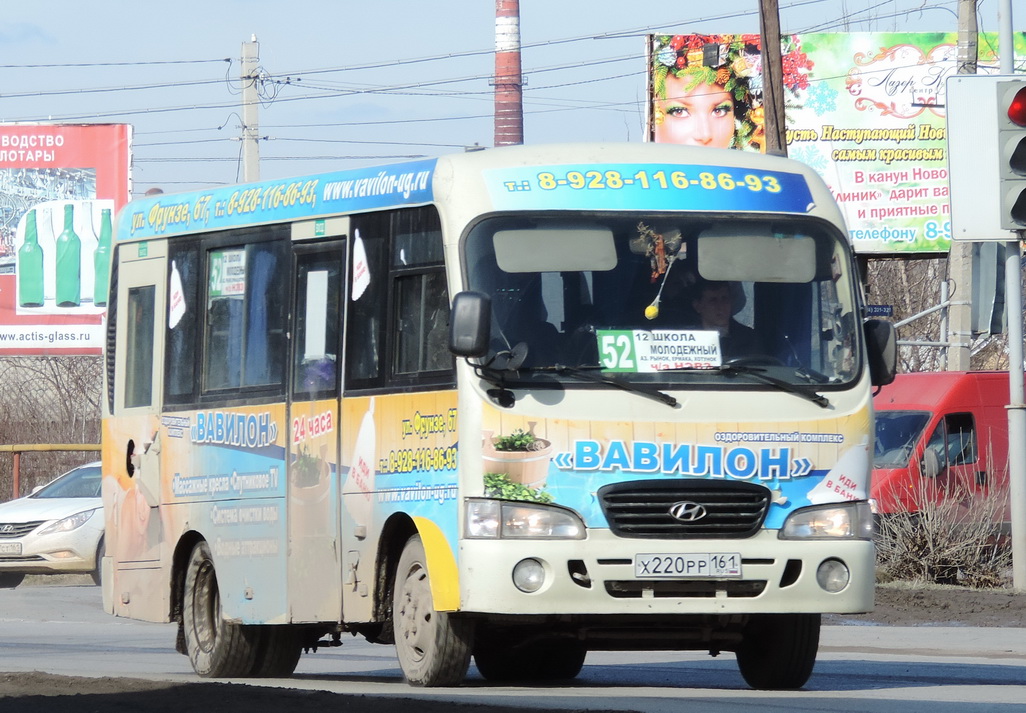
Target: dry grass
[956, 540]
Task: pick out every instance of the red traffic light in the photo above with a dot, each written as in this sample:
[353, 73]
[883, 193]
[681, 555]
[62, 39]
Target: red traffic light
[1017, 108]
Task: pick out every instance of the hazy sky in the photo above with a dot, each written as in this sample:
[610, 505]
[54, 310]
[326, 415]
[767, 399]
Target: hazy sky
[351, 83]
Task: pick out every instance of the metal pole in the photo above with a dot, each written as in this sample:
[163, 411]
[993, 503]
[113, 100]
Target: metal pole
[1016, 407]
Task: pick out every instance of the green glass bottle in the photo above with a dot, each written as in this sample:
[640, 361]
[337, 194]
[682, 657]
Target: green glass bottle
[69, 262]
[101, 261]
[30, 266]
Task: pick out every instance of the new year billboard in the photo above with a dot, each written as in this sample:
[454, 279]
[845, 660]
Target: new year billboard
[866, 110]
[60, 186]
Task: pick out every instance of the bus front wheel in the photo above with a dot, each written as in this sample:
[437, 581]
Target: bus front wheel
[433, 647]
[779, 650]
[217, 648]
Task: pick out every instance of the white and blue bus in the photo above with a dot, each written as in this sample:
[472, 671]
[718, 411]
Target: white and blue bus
[511, 405]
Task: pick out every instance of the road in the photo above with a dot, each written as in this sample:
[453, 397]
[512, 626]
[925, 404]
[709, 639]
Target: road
[63, 630]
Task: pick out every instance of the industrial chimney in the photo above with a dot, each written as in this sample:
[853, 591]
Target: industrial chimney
[509, 93]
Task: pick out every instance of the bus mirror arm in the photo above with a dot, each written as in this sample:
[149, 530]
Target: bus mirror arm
[882, 350]
[470, 324]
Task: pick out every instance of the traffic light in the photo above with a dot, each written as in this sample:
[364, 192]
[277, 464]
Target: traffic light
[986, 129]
[1011, 118]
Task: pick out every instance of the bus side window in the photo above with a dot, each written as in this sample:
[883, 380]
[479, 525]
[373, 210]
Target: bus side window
[183, 321]
[317, 324]
[245, 340]
[139, 356]
[423, 317]
[366, 308]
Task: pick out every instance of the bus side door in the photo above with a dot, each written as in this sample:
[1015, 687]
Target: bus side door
[314, 560]
[134, 433]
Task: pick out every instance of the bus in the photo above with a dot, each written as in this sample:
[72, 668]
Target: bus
[507, 406]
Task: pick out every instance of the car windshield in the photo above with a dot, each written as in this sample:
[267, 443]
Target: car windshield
[766, 302]
[897, 433]
[82, 482]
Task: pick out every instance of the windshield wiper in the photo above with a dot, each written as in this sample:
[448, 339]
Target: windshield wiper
[591, 374]
[759, 373]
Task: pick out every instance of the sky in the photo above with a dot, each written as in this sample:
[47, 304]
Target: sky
[349, 83]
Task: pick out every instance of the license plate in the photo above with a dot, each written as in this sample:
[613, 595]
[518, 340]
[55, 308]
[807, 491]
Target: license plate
[10, 548]
[689, 566]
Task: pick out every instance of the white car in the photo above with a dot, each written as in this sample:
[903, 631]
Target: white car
[57, 529]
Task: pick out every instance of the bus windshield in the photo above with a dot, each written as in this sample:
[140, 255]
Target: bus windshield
[668, 300]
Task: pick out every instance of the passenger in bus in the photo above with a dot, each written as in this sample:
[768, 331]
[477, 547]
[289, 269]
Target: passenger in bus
[714, 305]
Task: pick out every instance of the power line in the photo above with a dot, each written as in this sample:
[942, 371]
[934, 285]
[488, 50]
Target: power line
[112, 64]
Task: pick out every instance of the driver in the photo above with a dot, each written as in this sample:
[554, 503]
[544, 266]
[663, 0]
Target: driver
[713, 303]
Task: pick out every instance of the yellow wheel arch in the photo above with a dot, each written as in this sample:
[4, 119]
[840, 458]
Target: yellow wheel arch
[441, 564]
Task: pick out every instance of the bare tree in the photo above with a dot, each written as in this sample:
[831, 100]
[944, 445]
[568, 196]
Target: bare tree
[48, 399]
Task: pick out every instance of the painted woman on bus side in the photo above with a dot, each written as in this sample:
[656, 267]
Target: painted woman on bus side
[707, 89]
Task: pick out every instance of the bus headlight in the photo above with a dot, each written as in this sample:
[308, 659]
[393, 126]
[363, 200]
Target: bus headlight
[504, 519]
[851, 521]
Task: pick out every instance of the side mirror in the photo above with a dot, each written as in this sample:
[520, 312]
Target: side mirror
[930, 465]
[470, 324]
[882, 349]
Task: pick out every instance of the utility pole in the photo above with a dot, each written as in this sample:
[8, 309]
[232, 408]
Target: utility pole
[250, 107]
[772, 78]
[960, 256]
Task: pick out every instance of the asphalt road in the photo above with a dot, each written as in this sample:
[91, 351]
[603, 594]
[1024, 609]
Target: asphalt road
[63, 630]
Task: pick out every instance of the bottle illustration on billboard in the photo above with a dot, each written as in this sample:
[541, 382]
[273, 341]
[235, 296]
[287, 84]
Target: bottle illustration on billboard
[69, 262]
[30, 266]
[101, 261]
[63, 250]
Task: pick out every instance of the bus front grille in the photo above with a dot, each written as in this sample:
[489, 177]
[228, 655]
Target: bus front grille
[682, 509]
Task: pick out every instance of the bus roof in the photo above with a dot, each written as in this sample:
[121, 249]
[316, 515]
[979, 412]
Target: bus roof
[530, 177]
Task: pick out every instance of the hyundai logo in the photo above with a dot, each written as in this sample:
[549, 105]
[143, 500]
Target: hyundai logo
[687, 511]
[6, 528]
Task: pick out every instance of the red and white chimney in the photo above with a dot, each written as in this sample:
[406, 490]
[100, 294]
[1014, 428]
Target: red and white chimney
[509, 91]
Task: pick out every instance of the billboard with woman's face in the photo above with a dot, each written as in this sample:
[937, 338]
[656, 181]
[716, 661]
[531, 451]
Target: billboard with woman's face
[866, 110]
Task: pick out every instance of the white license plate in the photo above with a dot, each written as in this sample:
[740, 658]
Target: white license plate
[10, 548]
[689, 566]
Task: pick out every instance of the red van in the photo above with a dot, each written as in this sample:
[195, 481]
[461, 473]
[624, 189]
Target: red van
[940, 435]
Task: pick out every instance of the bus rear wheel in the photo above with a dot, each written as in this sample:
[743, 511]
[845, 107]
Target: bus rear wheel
[279, 651]
[433, 647]
[779, 650]
[217, 648]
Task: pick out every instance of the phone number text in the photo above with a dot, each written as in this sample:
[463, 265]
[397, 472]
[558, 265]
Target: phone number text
[679, 180]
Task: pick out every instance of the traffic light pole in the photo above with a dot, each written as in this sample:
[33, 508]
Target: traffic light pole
[1016, 415]
[1013, 303]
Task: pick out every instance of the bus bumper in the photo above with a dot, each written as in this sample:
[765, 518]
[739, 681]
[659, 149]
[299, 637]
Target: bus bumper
[597, 576]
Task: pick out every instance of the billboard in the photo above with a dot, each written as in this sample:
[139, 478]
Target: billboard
[865, 110]
[60, 187]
